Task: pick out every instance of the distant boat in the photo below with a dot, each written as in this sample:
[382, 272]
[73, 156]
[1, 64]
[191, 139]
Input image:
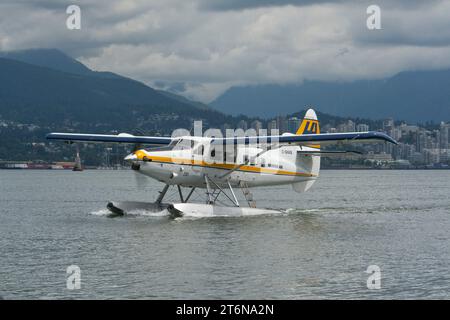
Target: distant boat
[77, 166]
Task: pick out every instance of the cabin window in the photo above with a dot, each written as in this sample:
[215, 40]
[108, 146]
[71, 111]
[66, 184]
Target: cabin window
[216, 154]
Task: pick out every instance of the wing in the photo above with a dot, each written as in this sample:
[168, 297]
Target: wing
[120, 138]
[304, 139]
[308, 139]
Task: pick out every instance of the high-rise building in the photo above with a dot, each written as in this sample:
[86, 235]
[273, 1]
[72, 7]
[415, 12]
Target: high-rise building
[257, 125]
[444, 157]
[388, 124]
[407, 129]
[421, 140]
[362, 127]
[351, 126]
[224, 128]
[443, 135]
[282, 124]
[431, 156]
[293, 124]
[272, 126]
[396, 133]
[348, 126]
[242, 125]
[405, 151]
[332, 130]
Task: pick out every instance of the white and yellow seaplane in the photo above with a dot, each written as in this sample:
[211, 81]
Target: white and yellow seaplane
[218, 164]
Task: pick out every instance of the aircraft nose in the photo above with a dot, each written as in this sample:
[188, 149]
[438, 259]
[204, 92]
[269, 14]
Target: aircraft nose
[131, 157]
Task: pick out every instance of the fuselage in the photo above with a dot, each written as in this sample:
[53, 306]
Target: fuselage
[187, 161]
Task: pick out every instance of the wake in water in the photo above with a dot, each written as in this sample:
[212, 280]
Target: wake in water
[132, 213]
[283, 212]
[363, 210]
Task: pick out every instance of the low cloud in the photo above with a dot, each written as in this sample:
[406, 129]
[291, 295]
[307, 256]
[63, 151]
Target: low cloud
[201, 47]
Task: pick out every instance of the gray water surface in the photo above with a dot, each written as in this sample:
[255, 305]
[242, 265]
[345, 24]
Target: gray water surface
[320, 248]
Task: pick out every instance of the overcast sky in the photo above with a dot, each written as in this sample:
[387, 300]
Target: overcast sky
[202, 47]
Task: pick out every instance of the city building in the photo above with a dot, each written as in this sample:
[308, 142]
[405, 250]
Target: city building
[257, 125]
[293, 124]
[282, 124]
[272, 126]
[362, 127]
[242, 124]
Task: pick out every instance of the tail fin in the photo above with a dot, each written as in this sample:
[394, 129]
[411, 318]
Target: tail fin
[310, 124]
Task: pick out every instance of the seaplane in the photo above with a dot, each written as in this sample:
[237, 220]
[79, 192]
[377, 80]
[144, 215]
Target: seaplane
[217, 165]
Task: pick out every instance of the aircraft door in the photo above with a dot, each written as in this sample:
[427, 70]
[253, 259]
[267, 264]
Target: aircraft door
[198, 155]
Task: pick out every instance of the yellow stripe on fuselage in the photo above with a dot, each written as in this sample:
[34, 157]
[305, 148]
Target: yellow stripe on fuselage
[227, 166]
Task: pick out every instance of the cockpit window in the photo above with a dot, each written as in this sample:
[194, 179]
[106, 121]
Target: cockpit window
[187, 144]
[184, 144]
[174, 142]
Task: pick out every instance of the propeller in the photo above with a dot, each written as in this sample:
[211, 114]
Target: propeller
[139, 178]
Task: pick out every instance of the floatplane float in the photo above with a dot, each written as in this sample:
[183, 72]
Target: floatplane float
[218, 165]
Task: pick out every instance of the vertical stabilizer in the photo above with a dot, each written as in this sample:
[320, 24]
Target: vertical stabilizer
[310, 123]
[310, 164]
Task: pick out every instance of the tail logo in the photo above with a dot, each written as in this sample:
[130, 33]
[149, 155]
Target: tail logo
[310, 125]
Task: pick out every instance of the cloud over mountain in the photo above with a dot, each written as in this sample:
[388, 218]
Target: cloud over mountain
[209, 46]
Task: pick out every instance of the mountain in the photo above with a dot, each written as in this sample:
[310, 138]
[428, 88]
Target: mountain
[58, 60]
[184, 100]
[54, 59]
[415, 96]
[48, 88]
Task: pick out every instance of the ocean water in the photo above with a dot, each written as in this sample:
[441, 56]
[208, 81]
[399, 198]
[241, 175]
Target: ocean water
[319, 248]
